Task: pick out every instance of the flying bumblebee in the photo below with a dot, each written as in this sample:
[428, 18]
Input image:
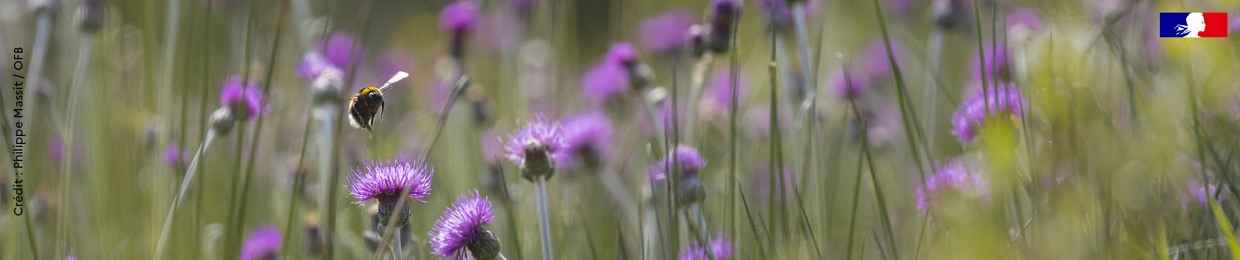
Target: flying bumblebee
[368, 103]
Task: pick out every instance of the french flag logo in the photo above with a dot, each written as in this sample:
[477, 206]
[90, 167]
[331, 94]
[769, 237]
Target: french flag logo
[1192, 25]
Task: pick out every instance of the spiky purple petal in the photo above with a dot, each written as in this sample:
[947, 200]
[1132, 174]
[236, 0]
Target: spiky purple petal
[455, 229]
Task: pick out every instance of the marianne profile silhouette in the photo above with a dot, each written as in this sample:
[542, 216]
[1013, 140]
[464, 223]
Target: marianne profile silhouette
[1193, 24]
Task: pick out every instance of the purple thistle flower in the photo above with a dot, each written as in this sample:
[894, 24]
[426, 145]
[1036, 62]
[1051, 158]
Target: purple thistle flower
[386, 180]
[246, 102]
[687, 158]
[338, 48]
[622, 53]
[957, 176]
[996, 64]
[263, 243]
[718, 98]
[850, 84]
[458, 17]
[604, 82]
[723, 15]
[1003, 99]
[536, 147]
[1200, 194]
[461, 228]
[721, 246]
[313, 65]
[587, 140]
[56, 149]
[873, 60]
[667, 33]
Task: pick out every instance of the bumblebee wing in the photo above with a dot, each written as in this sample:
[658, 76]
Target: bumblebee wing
[395, 78]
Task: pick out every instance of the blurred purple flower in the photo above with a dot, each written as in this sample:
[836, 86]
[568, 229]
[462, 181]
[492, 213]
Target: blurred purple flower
[458, 17]
[499, 31]
[391, 62]
[850, 84]
[314, 64]
[723, 15]
[956, 176]
[758, 120]
[622, 53]
[263, 243]
[174, 157]
[587, 140]
[686, 157]
[1004, 99]
[997, 64]
[245, 101]
[386, 180]
[874, 59]
[338, 48]
[1234, 24]
[604, 82]
[668, 32]
[720, 246]
[761, 182]
[718, 98]
[1200, 193]
[461, 227]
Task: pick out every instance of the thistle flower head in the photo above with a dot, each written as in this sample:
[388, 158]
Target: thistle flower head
[721, 246]
[458, 17]
[723, 15]
[244, 101]
[338, 48]
[536, 147]
[262, 243]
[383, 180]
[604, 82]
[667, 33]
[461, 228]
[956, 176]
[622, 53]
[687, 157]
[587, 140]
[1003, 99]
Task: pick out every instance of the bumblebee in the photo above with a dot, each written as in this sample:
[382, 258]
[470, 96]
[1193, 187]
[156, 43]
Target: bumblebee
[368, 103]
